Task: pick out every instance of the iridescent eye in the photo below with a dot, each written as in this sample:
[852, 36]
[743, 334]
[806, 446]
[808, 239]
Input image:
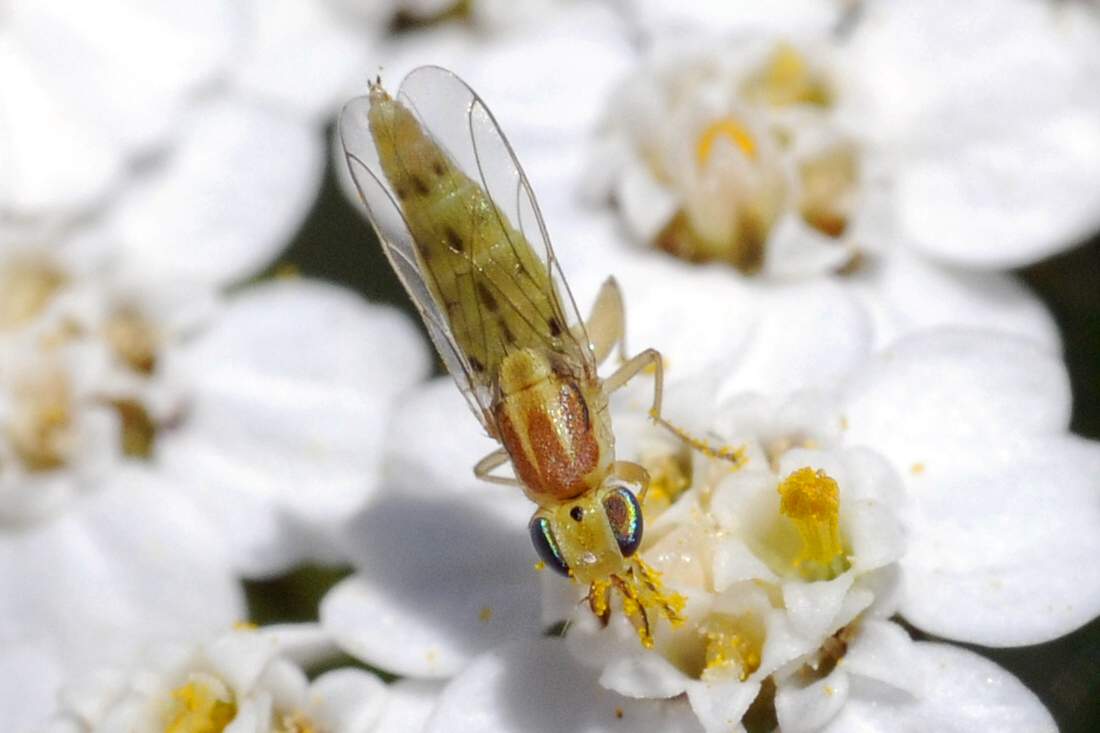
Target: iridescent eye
[546, 545]
[624, 513]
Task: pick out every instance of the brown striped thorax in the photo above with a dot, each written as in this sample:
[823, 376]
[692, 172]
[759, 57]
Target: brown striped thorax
[458, 222]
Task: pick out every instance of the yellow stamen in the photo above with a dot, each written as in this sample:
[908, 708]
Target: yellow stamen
[811, 499]
[199, 708]
[733, 645]
[732, 131]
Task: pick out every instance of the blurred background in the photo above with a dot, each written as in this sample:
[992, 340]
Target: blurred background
[84, 135]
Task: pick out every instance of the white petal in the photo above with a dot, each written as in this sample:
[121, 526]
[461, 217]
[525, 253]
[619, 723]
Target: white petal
[441, 578]
[226, 201]
[291, 388]
[907, 292]
[49, 163]
[809, 708]
[947, 386]
[996, 107]
[721, 705]
[812, 607]
[1003, 542]
[304, 54]
[881, 652]
[127, 565]
[646, 205]
[726, 16]
[409, 703]
[124, 67]
[347, 701]
[536, 686]
[962, 692]
[31, 680]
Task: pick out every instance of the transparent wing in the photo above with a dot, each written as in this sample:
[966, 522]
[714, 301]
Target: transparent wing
[397, 242]
[460, 122]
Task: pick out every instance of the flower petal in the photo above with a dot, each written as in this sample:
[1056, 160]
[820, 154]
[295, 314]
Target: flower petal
[32, 678]
[291, 388]
[1003, 542]
[347, 700]
[441, 578]
[226, 201]
[907, 292]
[535, 686]
[949, 386]
[809, 708]
[409, 703]
[962, 692]
[101, 583]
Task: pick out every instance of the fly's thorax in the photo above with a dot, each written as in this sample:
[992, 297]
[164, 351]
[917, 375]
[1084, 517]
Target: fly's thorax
[554, 425]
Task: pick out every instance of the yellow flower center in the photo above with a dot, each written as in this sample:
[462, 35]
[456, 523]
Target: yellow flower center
[725, 128]
[787, 79]
[26, 287]
[811, 499]
[203, 705]
[733, 645]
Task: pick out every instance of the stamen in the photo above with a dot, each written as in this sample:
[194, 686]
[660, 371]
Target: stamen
[203, 705]
[133, 340]
[733, 645]
[732, 131]
[811, 499]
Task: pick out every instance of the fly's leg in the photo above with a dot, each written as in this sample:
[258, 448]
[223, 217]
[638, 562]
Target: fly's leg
[606, 324]
[483, 469]
[651, 358]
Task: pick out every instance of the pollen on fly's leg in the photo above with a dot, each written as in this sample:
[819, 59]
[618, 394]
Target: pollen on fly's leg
[643, 596]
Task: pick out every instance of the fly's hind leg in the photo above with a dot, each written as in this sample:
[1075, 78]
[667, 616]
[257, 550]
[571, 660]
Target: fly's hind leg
[483, 469]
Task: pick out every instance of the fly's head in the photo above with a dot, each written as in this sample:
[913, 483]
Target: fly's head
[591, 537]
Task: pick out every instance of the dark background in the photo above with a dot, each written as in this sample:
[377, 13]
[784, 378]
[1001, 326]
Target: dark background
[336, 244]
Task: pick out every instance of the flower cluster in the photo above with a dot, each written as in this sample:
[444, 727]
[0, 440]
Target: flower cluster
[810, 209]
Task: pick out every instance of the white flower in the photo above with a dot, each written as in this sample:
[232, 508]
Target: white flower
[243, 680]
[965, 131]
[961, 503]
[85, 90]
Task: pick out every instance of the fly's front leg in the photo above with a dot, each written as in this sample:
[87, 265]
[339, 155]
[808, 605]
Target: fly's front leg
[606, 325]
[483, 468]
[652, 358]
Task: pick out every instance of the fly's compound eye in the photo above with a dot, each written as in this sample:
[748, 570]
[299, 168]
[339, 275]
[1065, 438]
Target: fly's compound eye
[624, 514]
[546, 545]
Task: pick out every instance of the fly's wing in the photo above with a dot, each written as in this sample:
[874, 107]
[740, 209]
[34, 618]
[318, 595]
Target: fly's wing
[397, 241]
[460, 122]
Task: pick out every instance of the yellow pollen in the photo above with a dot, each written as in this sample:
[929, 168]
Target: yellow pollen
[917, 469]
[540, 566]
[731, 130]
[670, 476]
[198, 708]
[486, 614]
[245, 625]
[732, 645]
[811, 499]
